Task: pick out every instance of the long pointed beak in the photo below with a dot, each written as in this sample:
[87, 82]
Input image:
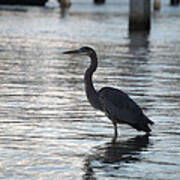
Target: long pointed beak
[77, 51]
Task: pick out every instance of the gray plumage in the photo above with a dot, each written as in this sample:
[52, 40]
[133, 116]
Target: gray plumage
[116, 104]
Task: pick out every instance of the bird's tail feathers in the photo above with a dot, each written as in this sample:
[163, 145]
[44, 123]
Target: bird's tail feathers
[147, 120]
[150, 122]
[142, 127]
[143, 124]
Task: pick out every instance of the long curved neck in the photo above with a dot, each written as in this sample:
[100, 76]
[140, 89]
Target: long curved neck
[91, 93]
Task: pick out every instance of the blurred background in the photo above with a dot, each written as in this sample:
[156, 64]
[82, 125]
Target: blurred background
[48, 130]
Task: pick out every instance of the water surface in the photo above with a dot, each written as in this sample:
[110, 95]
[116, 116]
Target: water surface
[48, 130]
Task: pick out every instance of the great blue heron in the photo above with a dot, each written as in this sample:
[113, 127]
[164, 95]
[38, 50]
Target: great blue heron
[116, 104]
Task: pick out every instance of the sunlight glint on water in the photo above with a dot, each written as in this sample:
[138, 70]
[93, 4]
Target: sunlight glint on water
[48, 130]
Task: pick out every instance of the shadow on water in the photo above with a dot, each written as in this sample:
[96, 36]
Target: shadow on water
[138, 57]
[138, 50]
[139, 43]
[63, 11]
[110, 157]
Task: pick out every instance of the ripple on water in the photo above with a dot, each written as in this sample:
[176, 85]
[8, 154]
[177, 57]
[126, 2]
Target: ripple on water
[48, 130]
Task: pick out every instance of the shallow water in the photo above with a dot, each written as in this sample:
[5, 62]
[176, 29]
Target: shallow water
[48, 130]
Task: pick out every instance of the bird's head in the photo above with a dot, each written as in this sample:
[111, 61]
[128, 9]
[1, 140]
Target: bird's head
[87, 51]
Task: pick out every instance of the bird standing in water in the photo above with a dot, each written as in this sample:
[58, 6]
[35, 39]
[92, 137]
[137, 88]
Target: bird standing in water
[116, 104]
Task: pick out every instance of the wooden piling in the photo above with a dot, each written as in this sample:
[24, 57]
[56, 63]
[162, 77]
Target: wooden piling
[24, 2]
[140, 15]
[157, 5]
[174, 2]
[65, 3]
[99, 1]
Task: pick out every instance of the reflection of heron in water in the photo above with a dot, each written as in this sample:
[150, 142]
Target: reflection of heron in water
[116, 104]
[112, 156]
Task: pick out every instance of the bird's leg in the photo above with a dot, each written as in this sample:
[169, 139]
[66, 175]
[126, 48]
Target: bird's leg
[115, 132]
[148, 133]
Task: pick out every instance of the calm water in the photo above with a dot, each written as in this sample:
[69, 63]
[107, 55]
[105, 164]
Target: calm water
[48, 130]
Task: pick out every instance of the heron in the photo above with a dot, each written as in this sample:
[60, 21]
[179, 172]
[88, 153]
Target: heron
[118, 106]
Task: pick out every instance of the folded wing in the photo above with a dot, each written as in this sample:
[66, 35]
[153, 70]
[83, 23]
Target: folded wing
[118, 106]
